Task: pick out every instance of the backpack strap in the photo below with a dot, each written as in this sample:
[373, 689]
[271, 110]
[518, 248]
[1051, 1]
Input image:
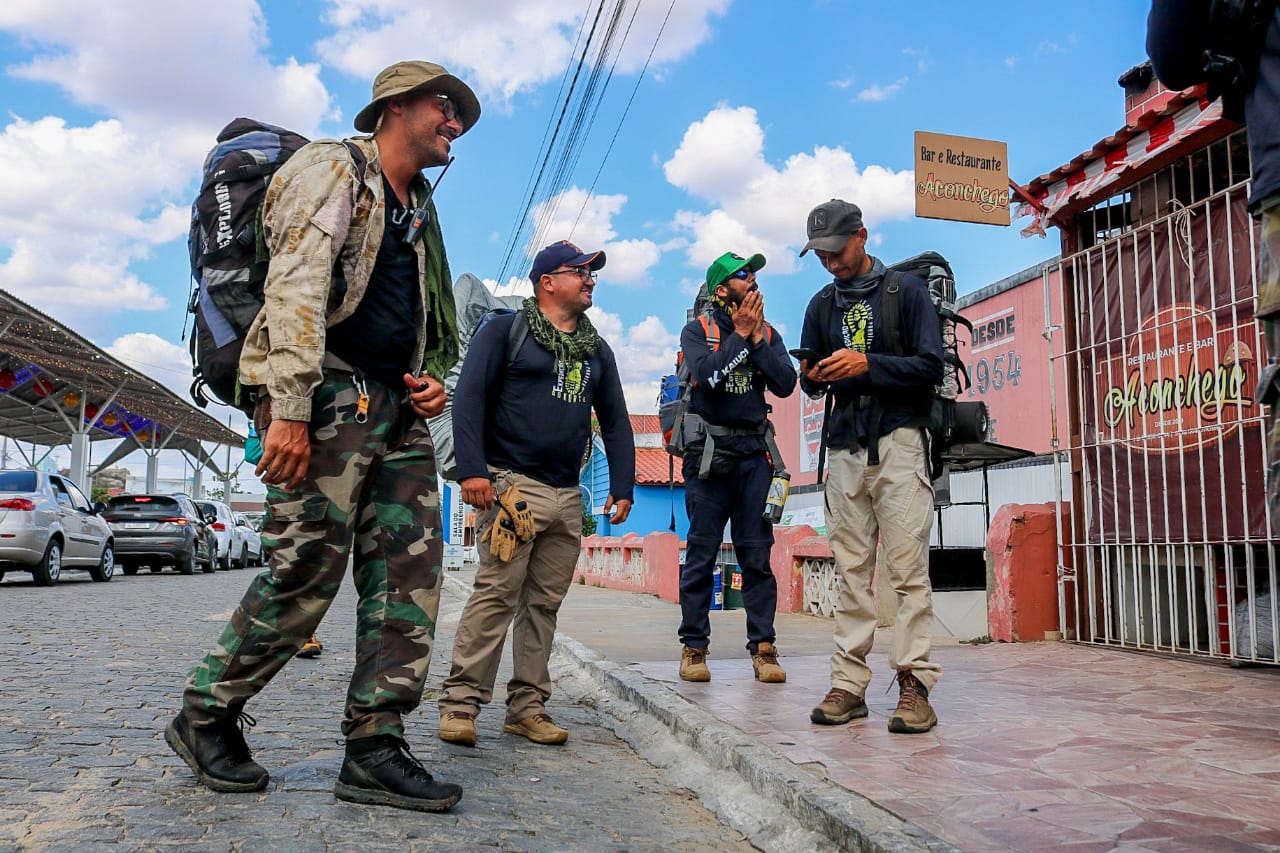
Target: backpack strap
[891, 311]
[515, 337]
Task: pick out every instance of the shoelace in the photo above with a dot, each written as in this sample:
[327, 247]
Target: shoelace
[697, 656]
[768, 657]
[458, 715]
[910, 692]
[542, 718]
[413, 764]
[835, 696]
[231, 733]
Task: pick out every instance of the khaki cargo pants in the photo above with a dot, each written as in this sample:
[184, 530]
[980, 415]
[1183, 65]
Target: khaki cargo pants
[893, 502]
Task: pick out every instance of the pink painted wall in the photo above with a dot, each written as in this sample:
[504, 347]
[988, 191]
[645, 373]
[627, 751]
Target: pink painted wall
[1022, 595]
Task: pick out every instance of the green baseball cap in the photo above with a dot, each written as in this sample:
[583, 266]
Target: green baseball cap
[728, 264]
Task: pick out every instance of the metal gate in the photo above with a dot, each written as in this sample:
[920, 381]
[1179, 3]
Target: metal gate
[1165, 545]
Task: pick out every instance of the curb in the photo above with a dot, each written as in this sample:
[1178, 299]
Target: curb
[848, 819]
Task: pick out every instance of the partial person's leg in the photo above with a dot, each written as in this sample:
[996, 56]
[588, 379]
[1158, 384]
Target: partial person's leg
[708, 504]
[903, 498]
[482, 628]
[852, 530]
[397, 573]
[308, 531]
[752, 538]
[1268, 314]
[547, 581]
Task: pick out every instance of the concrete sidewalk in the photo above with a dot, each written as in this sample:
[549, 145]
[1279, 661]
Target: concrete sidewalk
[1039, 746]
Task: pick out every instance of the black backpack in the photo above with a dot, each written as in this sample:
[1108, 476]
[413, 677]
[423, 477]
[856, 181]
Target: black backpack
[948, 421]
[228, 256]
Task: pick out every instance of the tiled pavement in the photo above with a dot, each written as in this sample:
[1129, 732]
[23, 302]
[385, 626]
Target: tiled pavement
[1041, 746]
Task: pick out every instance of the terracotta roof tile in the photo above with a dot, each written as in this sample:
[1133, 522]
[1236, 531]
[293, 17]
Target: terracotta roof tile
[652, 467]
[645, 424]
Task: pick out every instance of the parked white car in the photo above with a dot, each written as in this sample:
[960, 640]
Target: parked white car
[231, 544]
[252, 541]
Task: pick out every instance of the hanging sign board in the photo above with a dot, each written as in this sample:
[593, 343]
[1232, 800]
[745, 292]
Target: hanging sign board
[962, 179]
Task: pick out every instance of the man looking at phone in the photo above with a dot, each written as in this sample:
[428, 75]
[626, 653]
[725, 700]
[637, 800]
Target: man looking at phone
[734, 356]
[879, 485]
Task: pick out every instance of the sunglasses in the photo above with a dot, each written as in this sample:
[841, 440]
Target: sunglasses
[741, 274]
[581, 272]
[447, 107]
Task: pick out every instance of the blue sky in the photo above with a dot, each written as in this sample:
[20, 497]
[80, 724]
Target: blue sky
[752, 112]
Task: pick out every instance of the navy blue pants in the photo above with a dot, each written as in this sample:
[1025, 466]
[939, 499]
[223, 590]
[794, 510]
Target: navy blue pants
[738, 498]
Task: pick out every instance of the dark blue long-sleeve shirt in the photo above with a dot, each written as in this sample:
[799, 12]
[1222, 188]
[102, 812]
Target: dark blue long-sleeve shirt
[535, 418]
[729, 383]
[904, 384]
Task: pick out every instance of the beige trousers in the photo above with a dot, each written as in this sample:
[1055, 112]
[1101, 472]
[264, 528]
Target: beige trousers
[529, 589]
[894, 501]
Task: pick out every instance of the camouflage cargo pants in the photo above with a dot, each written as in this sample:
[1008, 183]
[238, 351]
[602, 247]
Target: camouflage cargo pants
[375, 483]
[1269, 381]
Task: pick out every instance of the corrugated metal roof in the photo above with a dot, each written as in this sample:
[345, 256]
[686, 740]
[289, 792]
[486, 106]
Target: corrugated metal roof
[43, 363]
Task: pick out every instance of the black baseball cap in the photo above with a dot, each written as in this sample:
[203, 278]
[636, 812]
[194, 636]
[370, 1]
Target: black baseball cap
[831, 224]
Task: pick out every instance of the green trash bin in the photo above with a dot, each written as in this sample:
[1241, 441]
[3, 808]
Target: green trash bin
[733, 588]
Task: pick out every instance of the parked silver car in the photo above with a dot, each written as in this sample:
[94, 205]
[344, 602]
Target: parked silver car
[252, 541]
[160, 530]
[231, 544]
[48, 525]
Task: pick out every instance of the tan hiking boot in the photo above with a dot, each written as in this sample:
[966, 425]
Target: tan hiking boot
[913, 714]
[311, 648]
[539, 728]
[458, 727]
[693, 665]
[838, 707]
[765, 663]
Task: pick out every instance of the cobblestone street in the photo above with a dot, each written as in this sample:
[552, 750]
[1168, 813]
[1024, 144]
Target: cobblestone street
[92, 672]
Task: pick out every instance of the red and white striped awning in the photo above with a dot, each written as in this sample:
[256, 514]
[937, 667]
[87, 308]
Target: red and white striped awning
[1109, 166]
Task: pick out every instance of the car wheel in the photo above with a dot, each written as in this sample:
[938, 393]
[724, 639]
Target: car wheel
[243, 560]
[224, 563]
[47, 572]
[187, 564]
[106, 568]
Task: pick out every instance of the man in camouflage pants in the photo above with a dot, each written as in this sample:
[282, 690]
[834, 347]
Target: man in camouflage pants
[343, 387]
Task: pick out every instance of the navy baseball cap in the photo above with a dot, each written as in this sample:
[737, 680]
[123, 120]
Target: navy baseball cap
[564, 254]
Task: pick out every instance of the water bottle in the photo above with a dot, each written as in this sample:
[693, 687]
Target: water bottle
[777, 498]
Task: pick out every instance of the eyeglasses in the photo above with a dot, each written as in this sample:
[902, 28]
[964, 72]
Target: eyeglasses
[447, 107]
[582, 272]
[741, 274]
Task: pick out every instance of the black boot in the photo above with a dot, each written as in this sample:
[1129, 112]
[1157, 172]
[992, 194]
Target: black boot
[218, 753]
[381, 771]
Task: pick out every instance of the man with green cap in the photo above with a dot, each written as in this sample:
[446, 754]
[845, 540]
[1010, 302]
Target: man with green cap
[733, 356]
[345, 362]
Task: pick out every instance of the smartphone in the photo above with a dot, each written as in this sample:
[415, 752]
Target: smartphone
[805, 354]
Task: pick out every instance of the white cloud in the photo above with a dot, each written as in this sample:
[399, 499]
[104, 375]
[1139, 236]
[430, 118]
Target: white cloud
[877, 93]
[842, 84]
[149, 354]
[644, 353]
[515, 286]
[1011, 62]
[759, 207]
[588, 222]
[83, 203]
[503, 47]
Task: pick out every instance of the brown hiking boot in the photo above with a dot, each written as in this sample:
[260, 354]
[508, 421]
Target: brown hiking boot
[458, 727]
[838, 707]
[539, 728]
[765, 663]
[693, 665]
[311, 648]
[913, 714]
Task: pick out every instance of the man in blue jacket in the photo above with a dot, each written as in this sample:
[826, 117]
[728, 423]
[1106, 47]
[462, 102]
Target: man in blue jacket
[1179, 33]
[733, 356]
[878, 485]
[521, 421]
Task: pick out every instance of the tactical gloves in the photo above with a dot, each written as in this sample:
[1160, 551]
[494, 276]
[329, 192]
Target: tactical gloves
[512, 526]
[517, 508]
[501, 537]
